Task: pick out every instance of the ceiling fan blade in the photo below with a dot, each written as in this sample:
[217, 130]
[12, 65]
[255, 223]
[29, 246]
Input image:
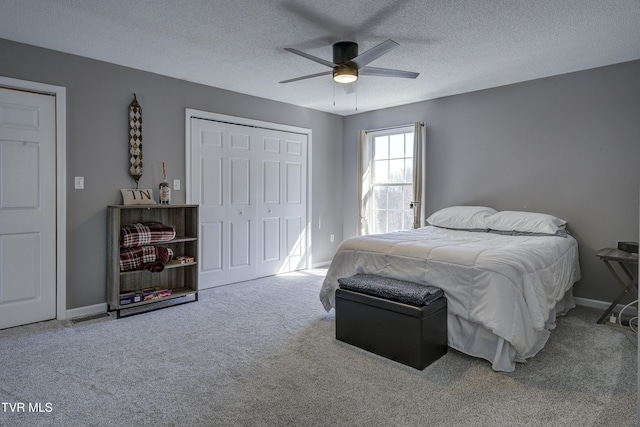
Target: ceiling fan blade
[386, 72]
[311, 57]
[310, 76]
[377, 19]
[374, 53]
[322, 21]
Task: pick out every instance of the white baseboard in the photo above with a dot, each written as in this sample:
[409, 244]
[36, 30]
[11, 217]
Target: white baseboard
[603, 305]
[91, 310]
[322, 264]
[88, 310]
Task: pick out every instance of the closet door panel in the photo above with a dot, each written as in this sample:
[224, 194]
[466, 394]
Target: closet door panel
[240, 248]
[270, 182]
[293, 173]
[239, 182]
[241, 211]
[251, 184]
[295, 240]
[208, 177]
[294, 212]
[212, 179]
[270, 240]
[212, 237]
[269, 250]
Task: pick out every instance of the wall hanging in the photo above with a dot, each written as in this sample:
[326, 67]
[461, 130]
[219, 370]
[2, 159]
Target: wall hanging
[135, 140]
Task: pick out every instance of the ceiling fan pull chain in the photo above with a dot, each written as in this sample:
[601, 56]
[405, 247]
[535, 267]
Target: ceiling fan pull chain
[334, 94]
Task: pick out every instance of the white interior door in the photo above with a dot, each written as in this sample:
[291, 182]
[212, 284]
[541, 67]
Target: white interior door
[250, 183]
[27, 208]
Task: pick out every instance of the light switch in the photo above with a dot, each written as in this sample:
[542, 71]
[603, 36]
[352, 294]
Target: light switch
[79, 183]
[176, 184]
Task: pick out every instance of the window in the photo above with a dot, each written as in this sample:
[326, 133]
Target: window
[392, 180]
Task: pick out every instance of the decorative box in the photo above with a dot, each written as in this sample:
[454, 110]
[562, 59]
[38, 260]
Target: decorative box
[182, 259]
[130, 298]
[148, 294]
[163, 293]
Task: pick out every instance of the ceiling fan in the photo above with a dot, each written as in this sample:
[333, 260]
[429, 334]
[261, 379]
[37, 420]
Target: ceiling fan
[348, 65]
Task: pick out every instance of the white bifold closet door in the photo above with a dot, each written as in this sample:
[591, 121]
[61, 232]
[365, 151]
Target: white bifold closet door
[282, 195]
[250, 184]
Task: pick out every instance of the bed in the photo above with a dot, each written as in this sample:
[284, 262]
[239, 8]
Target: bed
[506, 275]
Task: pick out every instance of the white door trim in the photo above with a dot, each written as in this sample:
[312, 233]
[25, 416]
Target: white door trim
[199, 114]
[61, 194]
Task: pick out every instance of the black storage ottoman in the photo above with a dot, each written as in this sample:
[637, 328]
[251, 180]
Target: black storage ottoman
[399, 320]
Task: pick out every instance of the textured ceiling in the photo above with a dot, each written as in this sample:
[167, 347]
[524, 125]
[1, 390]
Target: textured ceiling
[457, 46]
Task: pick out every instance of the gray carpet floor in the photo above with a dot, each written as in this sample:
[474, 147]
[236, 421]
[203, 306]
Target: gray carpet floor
[263, 353]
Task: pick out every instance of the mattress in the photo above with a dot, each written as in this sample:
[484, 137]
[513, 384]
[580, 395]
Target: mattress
[498, 286]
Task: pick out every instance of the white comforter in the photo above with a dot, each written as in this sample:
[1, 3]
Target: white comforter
[507, 284]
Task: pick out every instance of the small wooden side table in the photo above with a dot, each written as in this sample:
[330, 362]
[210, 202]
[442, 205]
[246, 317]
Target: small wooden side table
[626, 262]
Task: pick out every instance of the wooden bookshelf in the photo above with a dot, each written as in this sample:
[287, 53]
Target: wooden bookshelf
[181, 279]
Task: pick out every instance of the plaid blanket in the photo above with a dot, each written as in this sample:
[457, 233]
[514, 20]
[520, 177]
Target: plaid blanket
[149, 233]
[151, 258]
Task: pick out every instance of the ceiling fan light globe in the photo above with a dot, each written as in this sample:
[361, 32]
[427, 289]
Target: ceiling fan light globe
[345, 75]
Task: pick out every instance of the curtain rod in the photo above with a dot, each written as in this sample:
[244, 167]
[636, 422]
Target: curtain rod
[391, 127]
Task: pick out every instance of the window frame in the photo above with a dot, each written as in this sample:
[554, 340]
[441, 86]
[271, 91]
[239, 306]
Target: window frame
[406, 213]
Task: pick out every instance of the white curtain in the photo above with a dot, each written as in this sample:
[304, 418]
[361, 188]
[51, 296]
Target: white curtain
[418, 164]
[364, 181]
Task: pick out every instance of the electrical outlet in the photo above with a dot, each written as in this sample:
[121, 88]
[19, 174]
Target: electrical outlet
[331, 238]
[176, 184]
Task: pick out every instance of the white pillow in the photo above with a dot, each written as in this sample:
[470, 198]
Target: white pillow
[527, 222]
[462, 217]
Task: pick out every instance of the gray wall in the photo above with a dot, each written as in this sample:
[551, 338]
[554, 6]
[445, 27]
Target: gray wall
[98, 96]
[567, 145]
